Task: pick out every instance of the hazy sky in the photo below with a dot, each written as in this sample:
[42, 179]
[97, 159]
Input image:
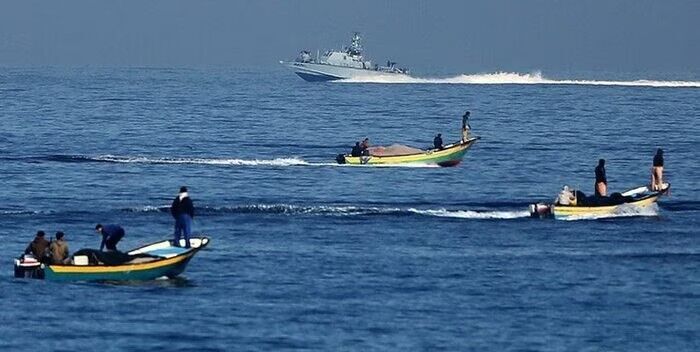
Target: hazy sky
[435, 36]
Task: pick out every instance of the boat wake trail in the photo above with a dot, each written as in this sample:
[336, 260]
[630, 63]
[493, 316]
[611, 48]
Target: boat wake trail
[292, 161]
[473, 214]
[517, 78]
[288, 161]
[344, 210]
[622, 212]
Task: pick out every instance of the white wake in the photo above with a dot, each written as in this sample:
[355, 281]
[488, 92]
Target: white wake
[516, 78]
[472, 214]
[288, 161]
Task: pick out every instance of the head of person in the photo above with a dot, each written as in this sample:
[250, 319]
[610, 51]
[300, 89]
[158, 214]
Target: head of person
[659, 151]
[439, 135]
[365, 140]
[357, 144]
[98, 228]
[183, 189]
[59, 235]
[601, 162]
[40, 234]
[466, 114]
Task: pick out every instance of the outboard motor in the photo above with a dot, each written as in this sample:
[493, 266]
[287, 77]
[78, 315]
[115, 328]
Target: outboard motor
[340, 159]
[540, 210]
[28, 267]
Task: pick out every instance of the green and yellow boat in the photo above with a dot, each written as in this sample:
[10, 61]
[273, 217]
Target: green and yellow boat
[450, 155]
[149, 262]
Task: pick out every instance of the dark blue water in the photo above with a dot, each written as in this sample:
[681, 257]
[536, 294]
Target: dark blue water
[309, 255]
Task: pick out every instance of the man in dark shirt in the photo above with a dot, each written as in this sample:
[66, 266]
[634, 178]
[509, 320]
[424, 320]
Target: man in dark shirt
[356, 150]
[111, 235]
[601, 181]
[437, 142]
[182, 210]
[38, 246]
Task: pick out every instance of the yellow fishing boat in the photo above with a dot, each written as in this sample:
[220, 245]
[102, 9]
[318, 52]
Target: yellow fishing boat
[637, 198]
[450, 155]
[152, 261]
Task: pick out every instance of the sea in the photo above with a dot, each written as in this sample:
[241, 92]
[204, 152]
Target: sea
[306, 254]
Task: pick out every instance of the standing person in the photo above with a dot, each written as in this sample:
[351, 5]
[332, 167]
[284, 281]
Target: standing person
[58, 249]
[601, 181]
[111, 235]
[466, 129]
[657, 171]
[437, 142]
[182, 210]
[38, 246]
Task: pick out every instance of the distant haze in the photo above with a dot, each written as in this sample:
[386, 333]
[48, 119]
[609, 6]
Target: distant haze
[431, 36]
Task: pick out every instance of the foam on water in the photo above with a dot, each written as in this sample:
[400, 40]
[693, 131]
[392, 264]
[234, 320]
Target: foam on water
[292, 161]
[472, 214]
[285, 161]
[345, 210]
[517, 78]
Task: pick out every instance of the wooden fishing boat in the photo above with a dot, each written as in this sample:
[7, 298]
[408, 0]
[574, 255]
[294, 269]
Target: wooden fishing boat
[450, 155]
[637, 198]
[149, 262]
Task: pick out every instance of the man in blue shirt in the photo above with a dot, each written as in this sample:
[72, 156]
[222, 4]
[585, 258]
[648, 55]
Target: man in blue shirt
[111, 235]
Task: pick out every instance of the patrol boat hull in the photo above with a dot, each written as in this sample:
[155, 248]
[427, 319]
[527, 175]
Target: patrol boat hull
[314, 72]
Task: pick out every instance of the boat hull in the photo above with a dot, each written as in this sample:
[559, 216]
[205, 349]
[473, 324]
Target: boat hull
[313, 72]
[168, 266]
[566, 212]
[643, 199]
[452, 155]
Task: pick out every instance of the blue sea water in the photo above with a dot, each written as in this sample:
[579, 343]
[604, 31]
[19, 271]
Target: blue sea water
[309, 255]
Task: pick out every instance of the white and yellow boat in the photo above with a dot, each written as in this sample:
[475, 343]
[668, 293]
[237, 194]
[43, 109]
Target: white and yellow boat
[637, 198]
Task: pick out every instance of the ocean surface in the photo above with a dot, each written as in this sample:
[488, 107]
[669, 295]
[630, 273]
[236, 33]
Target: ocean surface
[309, 255]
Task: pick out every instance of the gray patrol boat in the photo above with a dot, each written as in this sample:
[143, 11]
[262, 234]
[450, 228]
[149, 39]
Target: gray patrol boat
[340, 64]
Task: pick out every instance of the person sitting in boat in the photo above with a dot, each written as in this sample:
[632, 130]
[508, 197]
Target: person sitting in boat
[38, 247]
[437, 142]
[111, 235]
[58, 249]
[356, 150]
[566, 197]
[364, 147]
[601, 181]
[657, 171]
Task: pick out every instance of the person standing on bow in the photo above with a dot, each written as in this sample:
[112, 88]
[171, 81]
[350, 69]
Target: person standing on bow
[657, 171]
[466, 129]
[182, 211]
[601, 181]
